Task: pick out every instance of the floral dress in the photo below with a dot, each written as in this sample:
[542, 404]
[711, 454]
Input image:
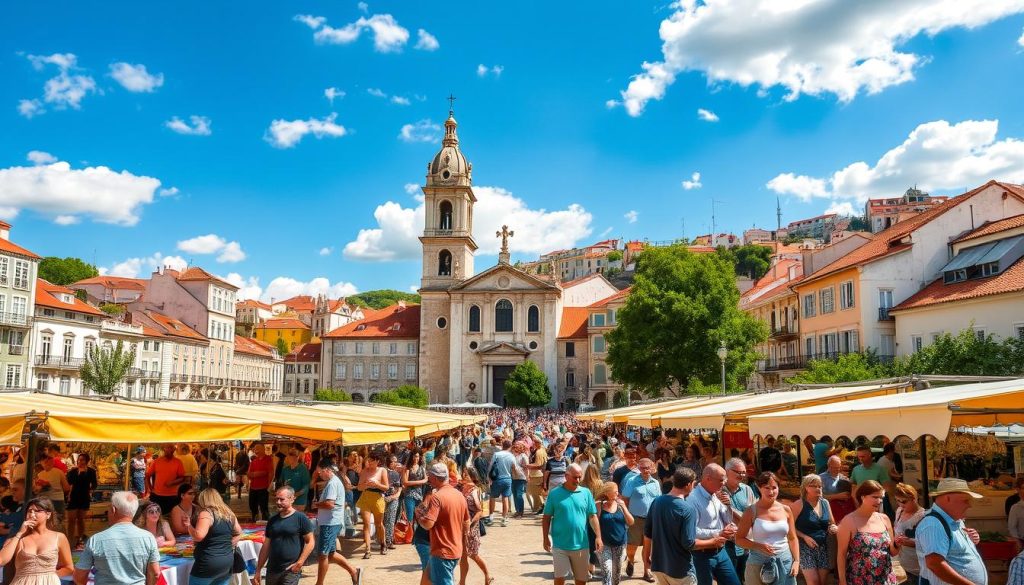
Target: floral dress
[868, 561]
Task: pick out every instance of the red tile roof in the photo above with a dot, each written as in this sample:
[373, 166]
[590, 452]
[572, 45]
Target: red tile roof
[12, 248]
[175, 328]
[574, 323]
[993, 227]
[1009, 281]
[307, 352]
[47, 295]
[151, 332]
[252, 347]
[604, 302]
[299, 303]
[253, 303]
[283, 323]
[888, 241]
[381, 323]
[115, 282]
[197, 273]
[779, 272]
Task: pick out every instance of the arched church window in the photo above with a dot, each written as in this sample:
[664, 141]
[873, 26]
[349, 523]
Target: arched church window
[533, 319]
[446, 216]
[503, 316]
[474, 319]
[444, 263]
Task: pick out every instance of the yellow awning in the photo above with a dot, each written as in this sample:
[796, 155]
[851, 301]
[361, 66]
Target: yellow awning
[12, 423]
[926, 412]
[290, 421]
[622, 413]
[737, 410]
[102, 421]
[421, 421]
[651, 417]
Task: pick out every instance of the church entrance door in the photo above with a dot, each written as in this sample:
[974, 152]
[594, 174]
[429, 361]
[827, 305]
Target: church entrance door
[498, 376]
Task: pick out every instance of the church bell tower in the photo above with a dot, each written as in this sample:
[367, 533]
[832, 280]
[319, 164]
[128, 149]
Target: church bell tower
[447, 239]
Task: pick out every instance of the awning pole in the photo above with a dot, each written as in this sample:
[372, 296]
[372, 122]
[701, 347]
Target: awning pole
[799, 459]
[721, 444]
[127, 467]
[923, 447]
[30, 461]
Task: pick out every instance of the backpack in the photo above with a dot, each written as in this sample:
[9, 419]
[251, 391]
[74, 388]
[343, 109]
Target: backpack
[949, 537]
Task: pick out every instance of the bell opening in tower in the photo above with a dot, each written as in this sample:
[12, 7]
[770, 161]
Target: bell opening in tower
[445, 215]
[444, 263]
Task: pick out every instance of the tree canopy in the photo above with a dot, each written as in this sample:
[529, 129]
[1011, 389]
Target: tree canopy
[527, 386]
[407, 395]
[64, 271]
[282, 347]
[750, 260]
[681, 308]
[104, 370]
[331, 395]
[378, 299]
[848, 368]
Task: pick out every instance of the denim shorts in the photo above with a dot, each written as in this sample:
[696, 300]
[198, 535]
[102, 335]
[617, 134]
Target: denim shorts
[327, 539]
[501, 488]
[424, 551]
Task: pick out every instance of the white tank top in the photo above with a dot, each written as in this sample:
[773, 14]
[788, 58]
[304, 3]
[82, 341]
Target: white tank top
[771, 532]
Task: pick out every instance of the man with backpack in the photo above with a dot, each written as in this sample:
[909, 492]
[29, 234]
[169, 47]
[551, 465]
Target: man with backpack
[946, 550]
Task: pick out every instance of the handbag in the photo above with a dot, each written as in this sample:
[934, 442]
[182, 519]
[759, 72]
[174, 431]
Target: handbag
[403, 532]
[483, 528]
[238, 563]
[769, 572]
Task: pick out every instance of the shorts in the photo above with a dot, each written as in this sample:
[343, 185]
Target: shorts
[372, 502]
[285, 578]
[78, 505]
[501, 488]
[424, 551]
[571, 563]
[813, 558]
[663, 579]
[635, 534]
[327, 539]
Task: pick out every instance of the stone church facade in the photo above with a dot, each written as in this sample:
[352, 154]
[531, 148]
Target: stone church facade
[475, 328]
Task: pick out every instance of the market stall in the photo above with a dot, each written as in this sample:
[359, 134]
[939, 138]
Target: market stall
[622, 413]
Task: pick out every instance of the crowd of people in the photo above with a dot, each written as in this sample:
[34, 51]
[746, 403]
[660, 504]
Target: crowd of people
[668, 508]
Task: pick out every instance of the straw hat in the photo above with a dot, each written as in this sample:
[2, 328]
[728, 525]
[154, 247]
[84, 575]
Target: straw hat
[952, 485]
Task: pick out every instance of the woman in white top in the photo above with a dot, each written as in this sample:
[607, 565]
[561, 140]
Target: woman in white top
[908, 515]
[768, 531]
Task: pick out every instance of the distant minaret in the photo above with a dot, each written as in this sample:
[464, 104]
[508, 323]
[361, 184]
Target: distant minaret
[778, 215]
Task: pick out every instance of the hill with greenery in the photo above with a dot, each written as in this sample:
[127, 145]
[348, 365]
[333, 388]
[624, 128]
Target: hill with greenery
[378, 299]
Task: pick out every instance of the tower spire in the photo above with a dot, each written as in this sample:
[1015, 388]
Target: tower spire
[778, 215]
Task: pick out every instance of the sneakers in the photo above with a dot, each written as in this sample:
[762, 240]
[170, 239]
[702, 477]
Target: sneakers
[504, 521]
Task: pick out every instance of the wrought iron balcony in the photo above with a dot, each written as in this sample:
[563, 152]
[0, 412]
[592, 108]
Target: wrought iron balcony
[786, 363]
[784, 331]
[59, 362]
[15, 350]
[15, 319]
[883, 314]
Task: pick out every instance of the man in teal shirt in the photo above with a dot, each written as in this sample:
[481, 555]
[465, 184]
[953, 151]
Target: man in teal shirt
[295, 475]
[567, 511]
[867, 469]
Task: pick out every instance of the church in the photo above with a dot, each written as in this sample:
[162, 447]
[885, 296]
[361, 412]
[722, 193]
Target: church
[475, 327]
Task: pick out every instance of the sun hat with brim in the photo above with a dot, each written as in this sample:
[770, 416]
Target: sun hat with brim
[952, 485]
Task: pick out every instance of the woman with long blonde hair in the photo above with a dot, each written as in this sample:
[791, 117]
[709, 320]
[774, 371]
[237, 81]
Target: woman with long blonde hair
[216, 532]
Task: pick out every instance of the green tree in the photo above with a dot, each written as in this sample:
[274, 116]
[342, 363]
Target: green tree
[378, 299]
[64, 271]
[331, 395]
[751, 260]
[964, 354]
[112, 309]
[407, 395]
[282, 347]
[104, 370]
[620, 399]
[681, 308]
[527, 386]
[859, 223]
[614, 256]
[848, 368]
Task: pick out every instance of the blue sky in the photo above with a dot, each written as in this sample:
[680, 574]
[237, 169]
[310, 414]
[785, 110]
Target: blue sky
[169, 133]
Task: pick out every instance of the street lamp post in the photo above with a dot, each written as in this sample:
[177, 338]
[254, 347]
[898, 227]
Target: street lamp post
[722, 353]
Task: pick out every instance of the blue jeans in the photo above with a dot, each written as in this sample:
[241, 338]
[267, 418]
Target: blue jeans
[757, 559]
[712, 565]
[518, 489]
[410, 509]
[442, 571]
[739, 561]
[423, 550]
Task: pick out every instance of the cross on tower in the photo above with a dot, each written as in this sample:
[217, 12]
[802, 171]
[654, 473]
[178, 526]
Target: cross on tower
[451, 103]
[504, 234]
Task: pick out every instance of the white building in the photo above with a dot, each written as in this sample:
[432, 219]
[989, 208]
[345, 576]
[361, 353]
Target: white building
[64, 330]
[18, 268]
[302, 372]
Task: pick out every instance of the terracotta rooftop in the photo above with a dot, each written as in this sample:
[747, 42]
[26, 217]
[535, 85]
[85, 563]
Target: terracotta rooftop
[299, 303]
[887, 241]
[252, 347]
[771, 278]
[574, 323]
[307, 352]
[49, 295]
[196, 273]
[12, 248]
[1009, 281]
[253, 303]
[151, 332]
[175, 328]
[115, 282]
[283, 323]
[394, 321]
[604, 302]
[993, 227]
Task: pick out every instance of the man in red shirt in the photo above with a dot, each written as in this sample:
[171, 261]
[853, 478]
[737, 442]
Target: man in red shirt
[447, 519]
[54, 451]
[163, 477]
[261, 471]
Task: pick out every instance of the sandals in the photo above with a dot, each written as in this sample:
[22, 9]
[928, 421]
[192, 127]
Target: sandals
[366, 555]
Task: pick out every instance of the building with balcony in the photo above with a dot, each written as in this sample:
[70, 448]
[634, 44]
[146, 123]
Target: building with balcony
[330, 314]
[111, 289]
[302, 372]
[257, 371]
[181, 351]
[980, 288]
[846, 305]
[883, 213]
[601, 318]
[301, 307]
[378, 353]
[251, 312]
[64, 331]
[18, 270]
[143, 380]
[819, 227]
[773, 302]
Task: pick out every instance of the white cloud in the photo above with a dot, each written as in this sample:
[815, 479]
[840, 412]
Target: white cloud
[397, 99]
[807, 47]
[196, 126]
[842, 208]
[422, 131]
[612, 104]
[631, 216]
[693, 182]
[427, 41]
[213, 244]
[248, 288]
[38, 157]
[363, 7]
[607, 231]
[288, 133]
[55, 189]
[1020, 41]
[483, 70]
[376, 92]
[537, 230]
[169, 192]
[30, 108]
[135, 78]
[66, 220]
[66, 90]
[134, 267]
[412, 189]
[332, 92]
[936, 156]
[284, 287]
[388, 35]
[707, 115]
[326, 251]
